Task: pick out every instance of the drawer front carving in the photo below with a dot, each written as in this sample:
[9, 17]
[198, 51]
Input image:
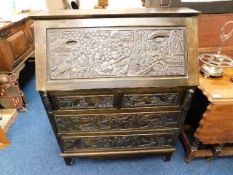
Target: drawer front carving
[112, 122]
[116, 52]
[145, 100]
[79, 102]
[117, 142]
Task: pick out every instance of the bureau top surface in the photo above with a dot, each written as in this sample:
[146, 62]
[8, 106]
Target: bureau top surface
[107, 13]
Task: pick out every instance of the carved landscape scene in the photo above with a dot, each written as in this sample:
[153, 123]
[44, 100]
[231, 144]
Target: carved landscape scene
[122, 52]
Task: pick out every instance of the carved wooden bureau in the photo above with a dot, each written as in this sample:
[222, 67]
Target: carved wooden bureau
[116, 82]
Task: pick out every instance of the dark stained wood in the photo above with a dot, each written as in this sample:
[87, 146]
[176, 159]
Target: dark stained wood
[29, 25]
[194, 150]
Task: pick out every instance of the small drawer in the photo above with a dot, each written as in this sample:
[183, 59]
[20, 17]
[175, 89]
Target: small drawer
[117, 121]
[85, 102]
[117, 142]
[149, 100]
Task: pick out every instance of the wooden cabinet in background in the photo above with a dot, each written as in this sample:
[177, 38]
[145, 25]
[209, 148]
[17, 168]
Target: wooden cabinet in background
[16, 46]
[29, 24]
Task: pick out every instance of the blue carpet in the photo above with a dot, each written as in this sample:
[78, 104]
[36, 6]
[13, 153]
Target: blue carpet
[34, 151]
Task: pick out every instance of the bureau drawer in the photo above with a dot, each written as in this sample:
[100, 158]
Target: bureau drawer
[149, 100]
[117, 121]
[85, 101]
[117, 142]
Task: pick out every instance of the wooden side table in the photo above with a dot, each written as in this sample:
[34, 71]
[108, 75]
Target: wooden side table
[209, 125]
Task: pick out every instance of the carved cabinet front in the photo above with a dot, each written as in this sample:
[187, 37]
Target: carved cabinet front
[116, 83]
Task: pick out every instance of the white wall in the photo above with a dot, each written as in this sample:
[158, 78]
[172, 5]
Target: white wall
[9, 7]
[89, 4]
[30, 4]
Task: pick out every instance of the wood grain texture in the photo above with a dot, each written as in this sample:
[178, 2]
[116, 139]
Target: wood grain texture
[216, 124]
[213, 118]
[218, 89]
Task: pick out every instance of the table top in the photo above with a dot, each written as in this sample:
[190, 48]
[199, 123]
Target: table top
[218, 89]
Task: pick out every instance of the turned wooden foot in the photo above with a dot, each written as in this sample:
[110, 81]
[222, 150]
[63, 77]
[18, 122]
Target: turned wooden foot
[69, 160]
[167, 157]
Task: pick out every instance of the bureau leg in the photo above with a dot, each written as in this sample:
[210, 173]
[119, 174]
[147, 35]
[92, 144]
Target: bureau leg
[69, 160]
[167, 157]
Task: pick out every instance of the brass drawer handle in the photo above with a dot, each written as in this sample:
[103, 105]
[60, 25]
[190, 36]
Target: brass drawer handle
[158, 34]
[4, 34]
[71, 42]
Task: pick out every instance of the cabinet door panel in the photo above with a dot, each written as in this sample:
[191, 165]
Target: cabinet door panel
[18, 43]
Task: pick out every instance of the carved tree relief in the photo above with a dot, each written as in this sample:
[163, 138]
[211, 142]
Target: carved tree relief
[120, 52]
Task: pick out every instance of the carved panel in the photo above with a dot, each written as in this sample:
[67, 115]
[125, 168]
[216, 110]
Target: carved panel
[112, 122]
[144, 100]
[117, 142]
[93, 101]
[120, 52]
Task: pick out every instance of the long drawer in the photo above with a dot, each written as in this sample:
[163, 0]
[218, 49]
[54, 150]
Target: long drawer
[117, 142]
[117, 121]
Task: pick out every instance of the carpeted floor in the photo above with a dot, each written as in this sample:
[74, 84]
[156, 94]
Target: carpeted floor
[34, 151]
